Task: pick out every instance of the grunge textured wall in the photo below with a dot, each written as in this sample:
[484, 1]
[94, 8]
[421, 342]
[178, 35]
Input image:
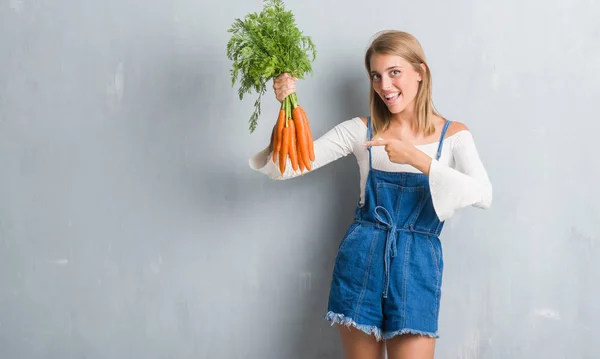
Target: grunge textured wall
[131, 225]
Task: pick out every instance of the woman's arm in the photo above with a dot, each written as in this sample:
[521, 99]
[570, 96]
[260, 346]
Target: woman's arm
[336, 143]
[467, 184]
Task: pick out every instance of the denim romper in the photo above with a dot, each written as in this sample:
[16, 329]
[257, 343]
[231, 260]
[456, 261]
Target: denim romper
[387, 276]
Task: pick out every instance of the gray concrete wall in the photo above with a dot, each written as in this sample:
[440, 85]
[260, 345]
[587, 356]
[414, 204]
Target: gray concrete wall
[132, 227]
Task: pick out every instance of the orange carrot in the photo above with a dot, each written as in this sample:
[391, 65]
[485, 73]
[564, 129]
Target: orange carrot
[274, 142]
[301, 136]
[285, 146]
[308, 166]
[311, 146]
[278, 133]
[293, 151]
[300, 161]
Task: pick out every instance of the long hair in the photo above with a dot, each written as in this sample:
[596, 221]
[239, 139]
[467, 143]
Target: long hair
[405, 45]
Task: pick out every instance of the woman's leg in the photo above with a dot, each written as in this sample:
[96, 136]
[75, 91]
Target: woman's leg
[410, 346]
[360, 345]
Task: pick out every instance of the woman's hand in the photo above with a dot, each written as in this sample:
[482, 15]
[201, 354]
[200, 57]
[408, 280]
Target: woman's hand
[403, 152]
[398, 151]
[284, 85]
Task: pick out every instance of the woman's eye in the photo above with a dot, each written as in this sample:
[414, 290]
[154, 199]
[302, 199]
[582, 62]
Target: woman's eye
[395, 72]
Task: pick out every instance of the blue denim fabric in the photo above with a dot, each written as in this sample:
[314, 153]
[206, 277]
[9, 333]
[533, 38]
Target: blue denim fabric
[387, 276]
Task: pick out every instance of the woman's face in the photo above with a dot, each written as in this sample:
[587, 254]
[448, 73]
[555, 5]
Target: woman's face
[395, 81]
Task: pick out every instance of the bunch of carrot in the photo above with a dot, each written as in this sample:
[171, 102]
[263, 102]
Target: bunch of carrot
[292, 137]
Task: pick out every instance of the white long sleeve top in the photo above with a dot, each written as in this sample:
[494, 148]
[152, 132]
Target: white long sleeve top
[458, 179]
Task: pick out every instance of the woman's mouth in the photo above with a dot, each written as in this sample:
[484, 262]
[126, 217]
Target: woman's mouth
[392, 98]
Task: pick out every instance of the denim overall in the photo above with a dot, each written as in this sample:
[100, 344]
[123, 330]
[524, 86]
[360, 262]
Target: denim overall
[387, 276]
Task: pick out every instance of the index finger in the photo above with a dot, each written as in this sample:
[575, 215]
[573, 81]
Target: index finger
[377, 142]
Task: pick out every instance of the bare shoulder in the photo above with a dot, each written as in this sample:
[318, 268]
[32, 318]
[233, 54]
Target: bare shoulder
[456, 127]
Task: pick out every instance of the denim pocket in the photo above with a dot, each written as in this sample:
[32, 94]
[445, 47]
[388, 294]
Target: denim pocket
[349, 233]
[436, 256]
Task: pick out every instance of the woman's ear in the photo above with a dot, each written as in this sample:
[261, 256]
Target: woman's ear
[424, 68]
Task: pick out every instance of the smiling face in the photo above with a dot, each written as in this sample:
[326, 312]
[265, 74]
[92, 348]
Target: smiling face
[395, 81]
[400, 81]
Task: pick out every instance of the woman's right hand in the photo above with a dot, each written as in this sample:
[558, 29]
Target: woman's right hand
[284, 85]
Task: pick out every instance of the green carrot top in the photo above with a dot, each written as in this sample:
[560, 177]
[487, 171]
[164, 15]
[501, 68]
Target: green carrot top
[263, 46]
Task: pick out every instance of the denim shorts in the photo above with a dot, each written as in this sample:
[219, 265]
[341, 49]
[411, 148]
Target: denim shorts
[412, 301]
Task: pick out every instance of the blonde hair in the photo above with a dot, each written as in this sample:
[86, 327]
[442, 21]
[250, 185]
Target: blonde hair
[405, 45]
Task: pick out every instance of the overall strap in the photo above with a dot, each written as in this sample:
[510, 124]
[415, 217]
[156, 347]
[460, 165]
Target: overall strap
[439, 151]
[369, 136]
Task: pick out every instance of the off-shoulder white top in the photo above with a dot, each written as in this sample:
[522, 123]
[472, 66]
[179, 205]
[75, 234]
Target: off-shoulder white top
[458, 179]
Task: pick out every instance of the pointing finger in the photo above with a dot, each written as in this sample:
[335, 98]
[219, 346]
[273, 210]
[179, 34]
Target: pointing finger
[377, 142]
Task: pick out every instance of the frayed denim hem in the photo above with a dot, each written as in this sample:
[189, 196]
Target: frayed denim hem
[341, 319]
[390, 335]
[346, 321]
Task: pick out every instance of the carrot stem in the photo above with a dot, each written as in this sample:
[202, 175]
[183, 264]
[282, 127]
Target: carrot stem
[288, 108]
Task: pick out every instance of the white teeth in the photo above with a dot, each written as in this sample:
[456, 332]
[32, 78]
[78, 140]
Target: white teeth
[390, 96]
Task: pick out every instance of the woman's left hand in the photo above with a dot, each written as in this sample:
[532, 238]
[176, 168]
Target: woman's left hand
[398, 151]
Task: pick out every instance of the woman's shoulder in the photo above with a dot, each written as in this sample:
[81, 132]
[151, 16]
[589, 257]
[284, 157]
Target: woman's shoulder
[455, 127]
[458, 135]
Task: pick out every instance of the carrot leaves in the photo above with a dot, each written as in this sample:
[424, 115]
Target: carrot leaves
[263, 46]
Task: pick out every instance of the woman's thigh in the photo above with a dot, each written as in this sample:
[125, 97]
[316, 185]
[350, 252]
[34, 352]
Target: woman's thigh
[360, 345]
[410, 346]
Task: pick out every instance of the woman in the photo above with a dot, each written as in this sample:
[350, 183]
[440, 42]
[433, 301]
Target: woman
[416, 169]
